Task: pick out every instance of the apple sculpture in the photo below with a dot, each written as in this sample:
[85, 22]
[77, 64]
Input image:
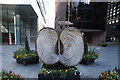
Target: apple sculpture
[66, 47]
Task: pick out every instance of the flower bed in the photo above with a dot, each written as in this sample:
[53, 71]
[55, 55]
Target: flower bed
[59, 74]
[89, 57]
[26, 57]
[10, 76]
[110, 75]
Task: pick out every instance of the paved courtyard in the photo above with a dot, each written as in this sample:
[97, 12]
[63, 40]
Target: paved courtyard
[108, 59]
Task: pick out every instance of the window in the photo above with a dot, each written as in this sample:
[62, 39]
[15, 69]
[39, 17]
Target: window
[110, 22]
[113, 13]
[118, 12]
[117, 21]
[114, 10]
[113, 21]
[42, 9]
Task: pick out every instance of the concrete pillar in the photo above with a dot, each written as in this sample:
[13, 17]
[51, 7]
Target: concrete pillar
[17, 28]
[28, 30]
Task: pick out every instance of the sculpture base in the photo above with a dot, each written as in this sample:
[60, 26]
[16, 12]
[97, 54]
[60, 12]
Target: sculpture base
[56, 66]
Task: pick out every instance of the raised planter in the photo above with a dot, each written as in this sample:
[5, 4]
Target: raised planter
[31, 60]
[103, 45]
[87, 61]
[58, 77]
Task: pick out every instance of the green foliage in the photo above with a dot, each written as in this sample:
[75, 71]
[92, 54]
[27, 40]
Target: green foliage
[61, 72]
[10, 76]
[110, 75]
[27, 45]
[24, 54]
[91, 54]
[85, 46]
[102, 43]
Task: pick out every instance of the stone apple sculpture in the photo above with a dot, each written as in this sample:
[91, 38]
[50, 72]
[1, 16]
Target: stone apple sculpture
[66, 47]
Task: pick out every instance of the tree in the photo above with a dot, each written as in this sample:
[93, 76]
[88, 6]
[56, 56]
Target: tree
[27, 45]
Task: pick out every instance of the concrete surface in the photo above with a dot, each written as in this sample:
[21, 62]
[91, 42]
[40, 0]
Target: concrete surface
[108, 59]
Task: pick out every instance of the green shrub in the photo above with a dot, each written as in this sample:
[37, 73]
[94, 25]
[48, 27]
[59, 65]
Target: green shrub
[91, 54]
[27, 45]
[22, 53]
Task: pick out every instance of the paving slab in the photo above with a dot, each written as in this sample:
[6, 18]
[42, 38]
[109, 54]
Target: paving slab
[108, 59]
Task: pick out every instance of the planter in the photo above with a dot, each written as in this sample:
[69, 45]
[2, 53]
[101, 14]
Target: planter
[103, 45]
[107, 79]
[87, 61]
[31, 60]
[58, 77]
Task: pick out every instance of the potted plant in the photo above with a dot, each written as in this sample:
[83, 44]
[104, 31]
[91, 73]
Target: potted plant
[103, 44]
[25, 55]
[110, 75]
[61, 74]
[89, 57]
[10, 76]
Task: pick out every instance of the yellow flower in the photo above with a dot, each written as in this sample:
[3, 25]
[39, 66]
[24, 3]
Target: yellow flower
[114, 74]
[66, 70]
[41, 72]
[111, 73]
[17, 56]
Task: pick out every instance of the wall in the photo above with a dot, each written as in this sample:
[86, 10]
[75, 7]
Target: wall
[98, 37]
[95, 37]
[40, 21]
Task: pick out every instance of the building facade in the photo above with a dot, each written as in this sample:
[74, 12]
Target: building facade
[113, 21]
[23, 18]
[88, 18]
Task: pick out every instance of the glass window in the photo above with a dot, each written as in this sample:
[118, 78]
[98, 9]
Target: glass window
[117, 21]
[113, 21]
[113, 13]
[114, 10]
[110, 22]
[117, 12]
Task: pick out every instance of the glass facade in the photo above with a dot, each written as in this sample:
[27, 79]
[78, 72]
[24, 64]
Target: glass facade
[113, 15]
[41, 5]
[89, 16]
[16, 23]
[10, 26]
[113, 21]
